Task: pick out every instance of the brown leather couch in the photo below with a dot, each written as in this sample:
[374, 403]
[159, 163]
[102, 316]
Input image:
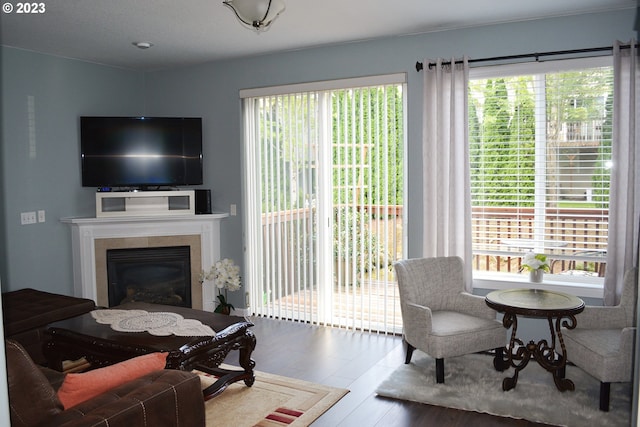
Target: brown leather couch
[161, 398]
[27, 312]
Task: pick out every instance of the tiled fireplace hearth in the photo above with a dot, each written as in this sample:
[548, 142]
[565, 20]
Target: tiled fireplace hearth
[91, 238]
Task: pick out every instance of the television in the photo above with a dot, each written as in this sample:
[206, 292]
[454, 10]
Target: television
[147, 153]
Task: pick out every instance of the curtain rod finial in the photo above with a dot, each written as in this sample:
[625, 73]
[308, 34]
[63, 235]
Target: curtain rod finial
[419, 66]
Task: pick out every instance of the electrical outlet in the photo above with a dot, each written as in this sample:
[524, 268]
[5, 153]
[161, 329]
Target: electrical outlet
[233, 210]
[27, 218]
[41, 216]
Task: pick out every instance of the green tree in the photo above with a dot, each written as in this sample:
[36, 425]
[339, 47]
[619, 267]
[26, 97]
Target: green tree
[500, 124]
[368, 145]
[523, 131]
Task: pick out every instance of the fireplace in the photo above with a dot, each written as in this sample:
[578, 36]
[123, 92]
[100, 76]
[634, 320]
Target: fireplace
[91, 238]
[157, 275]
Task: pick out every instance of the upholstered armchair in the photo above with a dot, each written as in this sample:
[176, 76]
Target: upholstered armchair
[603, 341]
[439, 317]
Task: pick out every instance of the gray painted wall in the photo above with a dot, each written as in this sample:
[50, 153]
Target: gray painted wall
[40, 255]
[41, 161]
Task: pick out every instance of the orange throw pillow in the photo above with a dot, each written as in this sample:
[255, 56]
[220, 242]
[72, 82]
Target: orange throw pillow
[77, 388]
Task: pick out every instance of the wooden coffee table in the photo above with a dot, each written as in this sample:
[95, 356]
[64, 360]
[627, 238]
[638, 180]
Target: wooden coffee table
[558, 308]
[82, 336]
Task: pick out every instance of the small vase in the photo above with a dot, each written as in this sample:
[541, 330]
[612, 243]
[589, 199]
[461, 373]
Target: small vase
[223, 309]
[536, 276]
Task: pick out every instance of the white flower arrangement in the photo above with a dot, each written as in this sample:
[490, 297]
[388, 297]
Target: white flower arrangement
[224, 274]
[533, 261]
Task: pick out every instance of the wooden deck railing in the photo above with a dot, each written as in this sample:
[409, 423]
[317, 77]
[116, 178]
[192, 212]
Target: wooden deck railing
[577, 238]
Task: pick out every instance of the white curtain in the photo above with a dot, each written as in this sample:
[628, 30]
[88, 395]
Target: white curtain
[624, 204]
[446, 185]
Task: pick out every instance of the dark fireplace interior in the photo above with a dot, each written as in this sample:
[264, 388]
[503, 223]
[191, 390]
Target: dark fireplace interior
[159, 275]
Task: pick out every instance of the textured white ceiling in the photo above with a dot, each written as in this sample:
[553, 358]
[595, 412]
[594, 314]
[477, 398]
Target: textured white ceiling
[186, 32]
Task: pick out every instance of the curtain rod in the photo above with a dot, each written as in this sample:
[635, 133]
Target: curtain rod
[420, 65]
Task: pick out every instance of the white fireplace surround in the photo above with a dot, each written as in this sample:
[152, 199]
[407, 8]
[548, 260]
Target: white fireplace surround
[91, 237]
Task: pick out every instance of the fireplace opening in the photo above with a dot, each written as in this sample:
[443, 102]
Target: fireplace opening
[158, 275]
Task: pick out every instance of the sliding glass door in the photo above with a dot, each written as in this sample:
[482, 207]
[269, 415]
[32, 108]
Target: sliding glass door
[324, 196]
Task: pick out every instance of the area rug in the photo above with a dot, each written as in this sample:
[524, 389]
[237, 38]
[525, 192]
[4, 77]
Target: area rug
[272, 401]
[472, 384]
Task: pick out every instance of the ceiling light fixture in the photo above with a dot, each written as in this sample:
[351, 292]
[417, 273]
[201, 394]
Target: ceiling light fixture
[142, 45]
[256, 14]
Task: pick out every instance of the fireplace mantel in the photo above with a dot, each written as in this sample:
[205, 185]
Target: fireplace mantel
[88, 237]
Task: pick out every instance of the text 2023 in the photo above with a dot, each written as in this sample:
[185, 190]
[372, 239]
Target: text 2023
[31, 7]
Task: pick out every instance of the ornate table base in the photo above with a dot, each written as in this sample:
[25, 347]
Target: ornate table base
[518, 354]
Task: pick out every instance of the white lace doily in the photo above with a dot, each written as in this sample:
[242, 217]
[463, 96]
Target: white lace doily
[159, 323]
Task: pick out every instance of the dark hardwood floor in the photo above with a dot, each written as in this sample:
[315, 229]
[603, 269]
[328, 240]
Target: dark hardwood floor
[357, 361]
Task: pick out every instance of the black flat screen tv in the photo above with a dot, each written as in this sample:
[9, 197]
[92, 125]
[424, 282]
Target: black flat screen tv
[140, 152]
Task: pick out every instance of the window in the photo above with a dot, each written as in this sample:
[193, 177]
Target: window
[540, 154]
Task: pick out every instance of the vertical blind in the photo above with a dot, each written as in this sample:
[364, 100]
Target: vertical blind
[324, 196]
[540, 153]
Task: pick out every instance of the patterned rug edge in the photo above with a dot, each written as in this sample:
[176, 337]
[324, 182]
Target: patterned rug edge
[301, 414]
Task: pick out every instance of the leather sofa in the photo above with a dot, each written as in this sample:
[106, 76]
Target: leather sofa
[27, 312]
[160, 398]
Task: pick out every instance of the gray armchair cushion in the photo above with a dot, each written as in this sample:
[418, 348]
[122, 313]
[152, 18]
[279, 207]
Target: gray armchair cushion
[605, 353]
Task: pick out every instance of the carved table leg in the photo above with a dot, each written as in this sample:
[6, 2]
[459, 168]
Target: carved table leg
[518, 354]
[245, 357]
[559, 379]
[245, 344]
